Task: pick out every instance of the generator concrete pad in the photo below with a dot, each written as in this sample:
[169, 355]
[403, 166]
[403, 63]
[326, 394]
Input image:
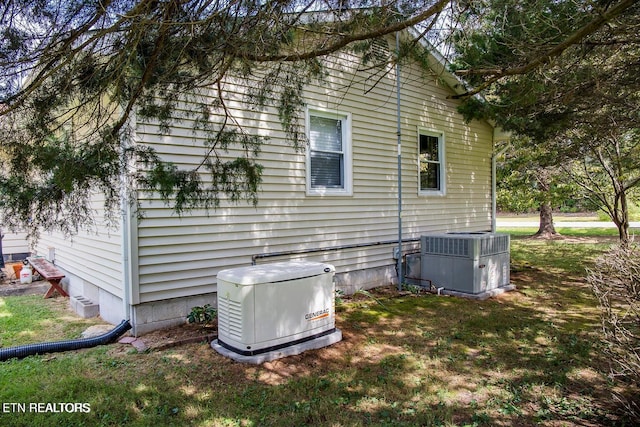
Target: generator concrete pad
[292, 350]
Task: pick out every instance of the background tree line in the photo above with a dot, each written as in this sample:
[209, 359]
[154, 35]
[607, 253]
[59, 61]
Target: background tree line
[574, 117]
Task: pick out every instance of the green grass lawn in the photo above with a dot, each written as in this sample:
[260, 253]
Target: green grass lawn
[556, 217]
[570, 232]
[530, 357]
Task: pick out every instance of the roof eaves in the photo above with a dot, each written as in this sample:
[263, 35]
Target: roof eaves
[440, 65]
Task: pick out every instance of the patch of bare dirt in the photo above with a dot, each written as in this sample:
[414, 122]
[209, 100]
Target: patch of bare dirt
[179, 335]
[12, 287]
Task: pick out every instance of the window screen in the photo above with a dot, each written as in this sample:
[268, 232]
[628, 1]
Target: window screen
[326, 152]
[430, 162]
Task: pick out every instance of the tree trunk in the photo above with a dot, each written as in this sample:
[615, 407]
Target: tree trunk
[546, 230]
[621, 217]
[623, 232]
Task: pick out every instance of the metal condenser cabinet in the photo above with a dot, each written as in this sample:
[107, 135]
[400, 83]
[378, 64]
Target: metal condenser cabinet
[471, 263]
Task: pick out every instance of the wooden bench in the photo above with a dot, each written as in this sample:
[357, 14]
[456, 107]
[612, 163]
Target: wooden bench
[50, 273]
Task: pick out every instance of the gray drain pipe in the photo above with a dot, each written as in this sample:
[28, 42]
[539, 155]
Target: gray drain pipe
[399, 133]
[60, 346]
[256, 257]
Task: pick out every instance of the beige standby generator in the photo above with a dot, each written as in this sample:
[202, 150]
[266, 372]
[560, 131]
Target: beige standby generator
[275, 310]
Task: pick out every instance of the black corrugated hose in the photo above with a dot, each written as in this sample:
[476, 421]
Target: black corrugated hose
[59, 346]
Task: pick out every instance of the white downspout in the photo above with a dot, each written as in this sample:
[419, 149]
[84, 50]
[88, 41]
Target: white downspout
[494, 208]
[126, 257]
[494, 203]
[125, 207]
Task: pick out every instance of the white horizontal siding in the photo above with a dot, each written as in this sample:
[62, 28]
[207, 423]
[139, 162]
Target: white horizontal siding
[94, 256]
[14, 243]
[180, 256]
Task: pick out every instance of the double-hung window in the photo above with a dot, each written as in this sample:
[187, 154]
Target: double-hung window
[431, 162]
[328, 153]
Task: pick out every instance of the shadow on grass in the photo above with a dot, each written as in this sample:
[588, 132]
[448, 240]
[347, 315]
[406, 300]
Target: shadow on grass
[433, 361]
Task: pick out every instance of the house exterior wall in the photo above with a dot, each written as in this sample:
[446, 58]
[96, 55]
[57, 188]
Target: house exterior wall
[15, 246]
[91, 261]
[180, 256]
[174, 259]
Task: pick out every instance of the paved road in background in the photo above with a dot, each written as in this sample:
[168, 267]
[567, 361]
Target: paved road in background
[561, 223]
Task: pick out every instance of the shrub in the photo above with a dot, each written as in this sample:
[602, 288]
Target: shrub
[615, 280]
[634, 213]
[203, 315]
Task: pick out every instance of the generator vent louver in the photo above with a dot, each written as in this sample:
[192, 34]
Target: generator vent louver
[230, 317]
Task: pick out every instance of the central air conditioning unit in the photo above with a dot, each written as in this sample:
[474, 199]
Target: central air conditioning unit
[270, 311]
[472, 264]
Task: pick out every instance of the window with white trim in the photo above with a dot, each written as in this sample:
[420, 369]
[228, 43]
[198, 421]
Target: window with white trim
[431, 162]
[328, 154]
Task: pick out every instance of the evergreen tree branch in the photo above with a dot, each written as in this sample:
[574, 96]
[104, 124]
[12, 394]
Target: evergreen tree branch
[495, 74]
